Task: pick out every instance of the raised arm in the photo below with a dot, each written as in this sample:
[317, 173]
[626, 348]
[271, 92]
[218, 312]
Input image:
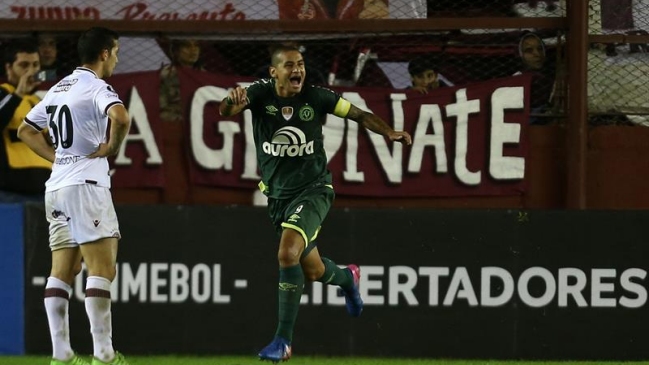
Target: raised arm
[377, 125]
[234, 103]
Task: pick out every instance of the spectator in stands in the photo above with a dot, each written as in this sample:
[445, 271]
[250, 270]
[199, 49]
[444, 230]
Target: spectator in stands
[184, 53]
[22, 172]
[533, 60]
[48, 50]
[424, 75]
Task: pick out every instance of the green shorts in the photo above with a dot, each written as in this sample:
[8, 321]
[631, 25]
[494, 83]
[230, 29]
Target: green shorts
[304, 212]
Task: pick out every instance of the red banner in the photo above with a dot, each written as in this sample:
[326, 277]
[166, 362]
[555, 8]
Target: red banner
[139, 162]
[466, 140]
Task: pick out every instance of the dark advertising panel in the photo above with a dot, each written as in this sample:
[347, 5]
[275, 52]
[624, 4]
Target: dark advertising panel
[450, 284]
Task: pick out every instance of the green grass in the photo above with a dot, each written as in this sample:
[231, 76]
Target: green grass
[306, 360]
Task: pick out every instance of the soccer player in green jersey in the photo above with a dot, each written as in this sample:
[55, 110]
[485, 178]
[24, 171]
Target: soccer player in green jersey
[287, 123]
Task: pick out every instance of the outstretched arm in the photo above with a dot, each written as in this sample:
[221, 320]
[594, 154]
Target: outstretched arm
[234, 103]
[377, 125]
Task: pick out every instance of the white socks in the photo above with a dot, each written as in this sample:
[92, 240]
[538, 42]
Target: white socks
[57, 300]
[98, 309]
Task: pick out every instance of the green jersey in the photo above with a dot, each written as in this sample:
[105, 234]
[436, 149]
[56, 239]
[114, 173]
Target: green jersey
[288, 136]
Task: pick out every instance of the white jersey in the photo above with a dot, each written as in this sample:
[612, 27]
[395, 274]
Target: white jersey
[76, 112]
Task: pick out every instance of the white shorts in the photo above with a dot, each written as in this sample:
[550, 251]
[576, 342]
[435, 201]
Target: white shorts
[79, 214]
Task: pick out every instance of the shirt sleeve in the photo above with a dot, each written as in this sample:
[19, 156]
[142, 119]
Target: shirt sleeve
[107, 97]
[333, 103]
[37, 116]
[253, 91]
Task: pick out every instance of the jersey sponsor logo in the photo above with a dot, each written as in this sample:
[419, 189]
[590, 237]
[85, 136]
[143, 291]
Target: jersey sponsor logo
[306, 113]
[96, 222]
[287, 112]
[293, 218]
[64, 85]
[288, 141]
[270, 109]
[67, 160]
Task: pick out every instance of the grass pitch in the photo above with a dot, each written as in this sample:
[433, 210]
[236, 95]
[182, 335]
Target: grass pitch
[306, 360]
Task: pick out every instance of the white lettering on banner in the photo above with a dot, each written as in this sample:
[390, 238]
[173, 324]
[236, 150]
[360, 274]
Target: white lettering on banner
[390, 162]
[398, 285]
[250, 150]
[421, 140]
[505, 278]
[461, 110]
[164, 283]
[140, 120]
[498, 287]
[351, 172]
[204, 155]
[505, 167]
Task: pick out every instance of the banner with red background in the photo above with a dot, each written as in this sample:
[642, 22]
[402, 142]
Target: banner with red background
[467, 140]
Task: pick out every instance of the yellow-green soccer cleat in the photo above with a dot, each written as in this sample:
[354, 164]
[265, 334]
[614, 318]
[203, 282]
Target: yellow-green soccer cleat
[75, 360]
[118, 360]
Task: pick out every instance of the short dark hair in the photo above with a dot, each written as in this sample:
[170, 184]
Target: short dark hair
[18, 45]
[421, 64]
[274, 59]
[93, 42]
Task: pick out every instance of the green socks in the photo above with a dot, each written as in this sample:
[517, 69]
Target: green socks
[334, 275]
[291, 285]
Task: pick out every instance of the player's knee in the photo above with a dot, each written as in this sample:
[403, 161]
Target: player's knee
[289, 256]
[108, 272]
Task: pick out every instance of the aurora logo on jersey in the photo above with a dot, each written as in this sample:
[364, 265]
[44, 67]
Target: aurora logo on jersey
[288, 141]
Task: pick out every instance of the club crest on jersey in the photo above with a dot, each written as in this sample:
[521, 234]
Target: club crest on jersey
[306, 113]
[287, 112]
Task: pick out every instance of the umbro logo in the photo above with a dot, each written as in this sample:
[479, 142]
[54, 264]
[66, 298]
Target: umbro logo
[270, 109]
[96, 222]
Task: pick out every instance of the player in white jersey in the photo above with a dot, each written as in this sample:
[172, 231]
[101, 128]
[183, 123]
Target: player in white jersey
[78, 203]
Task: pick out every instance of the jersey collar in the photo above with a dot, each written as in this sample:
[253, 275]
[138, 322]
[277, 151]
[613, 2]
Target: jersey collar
[86, 69]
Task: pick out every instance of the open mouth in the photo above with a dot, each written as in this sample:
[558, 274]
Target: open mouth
[296, 81]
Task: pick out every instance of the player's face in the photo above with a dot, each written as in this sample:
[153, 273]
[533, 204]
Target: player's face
[111, 61]
[289, 73]
[426, 79]
[25, 63]
[533, 54]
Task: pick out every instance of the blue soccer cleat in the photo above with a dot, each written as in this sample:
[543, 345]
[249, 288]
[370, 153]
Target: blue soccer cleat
[353, 300]
[278, 350]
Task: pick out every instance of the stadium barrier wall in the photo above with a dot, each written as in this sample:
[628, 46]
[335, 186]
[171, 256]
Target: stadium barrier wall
[497, 284]
[12, 287]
